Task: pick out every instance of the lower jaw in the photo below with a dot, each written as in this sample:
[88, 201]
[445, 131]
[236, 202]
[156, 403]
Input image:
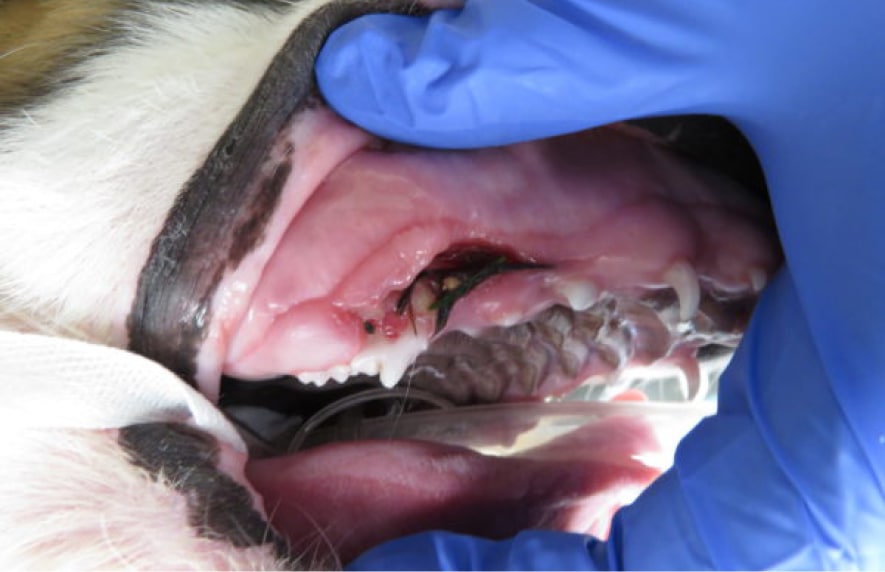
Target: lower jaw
[345, 497]
[349, 477]
[340, 499]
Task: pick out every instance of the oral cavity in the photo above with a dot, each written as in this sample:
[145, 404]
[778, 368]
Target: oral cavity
[563, 260]
[639, 254]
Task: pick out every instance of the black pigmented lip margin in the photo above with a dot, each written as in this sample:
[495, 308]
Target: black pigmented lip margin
[186, 460]
[221, 214]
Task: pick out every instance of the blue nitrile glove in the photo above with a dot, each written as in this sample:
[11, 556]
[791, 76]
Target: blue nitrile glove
[791, 471]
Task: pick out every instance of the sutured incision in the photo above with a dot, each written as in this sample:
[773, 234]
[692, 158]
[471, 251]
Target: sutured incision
[453, 274]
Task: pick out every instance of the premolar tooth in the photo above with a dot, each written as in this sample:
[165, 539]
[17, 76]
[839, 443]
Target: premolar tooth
[684, 280]
[579, 294]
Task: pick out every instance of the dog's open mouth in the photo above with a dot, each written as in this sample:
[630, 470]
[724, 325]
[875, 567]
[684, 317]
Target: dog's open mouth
[500, 274]
[525, 273]
[566, 258]
[309, 249]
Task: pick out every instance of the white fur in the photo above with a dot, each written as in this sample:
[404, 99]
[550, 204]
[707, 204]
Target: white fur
[72, 500]
[87, 178]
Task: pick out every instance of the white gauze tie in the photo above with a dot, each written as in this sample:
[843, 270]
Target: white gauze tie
[48, 382]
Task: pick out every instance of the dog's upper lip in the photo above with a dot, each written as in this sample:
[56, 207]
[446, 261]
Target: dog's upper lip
[221, 214]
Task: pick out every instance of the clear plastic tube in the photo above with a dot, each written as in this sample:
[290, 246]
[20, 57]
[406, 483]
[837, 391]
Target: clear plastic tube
[401, 394]
[669, 409]
[509, 429]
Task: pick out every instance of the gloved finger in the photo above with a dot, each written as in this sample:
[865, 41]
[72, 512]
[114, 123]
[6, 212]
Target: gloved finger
[821, 139]
[501, 71]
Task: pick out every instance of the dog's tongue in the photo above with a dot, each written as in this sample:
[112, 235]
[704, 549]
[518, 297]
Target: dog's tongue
[335, 501]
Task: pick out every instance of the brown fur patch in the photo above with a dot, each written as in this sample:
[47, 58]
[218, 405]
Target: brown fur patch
[38, 39]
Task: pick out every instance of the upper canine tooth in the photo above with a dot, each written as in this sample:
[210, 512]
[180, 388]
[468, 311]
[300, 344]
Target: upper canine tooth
[758, 279]
[395, 358]
[579, 294]
[684, 280]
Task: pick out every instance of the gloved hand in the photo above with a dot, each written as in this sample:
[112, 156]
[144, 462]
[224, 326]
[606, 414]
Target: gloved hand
[791, 471]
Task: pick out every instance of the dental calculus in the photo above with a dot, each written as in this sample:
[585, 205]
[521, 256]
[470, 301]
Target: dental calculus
[453, 281]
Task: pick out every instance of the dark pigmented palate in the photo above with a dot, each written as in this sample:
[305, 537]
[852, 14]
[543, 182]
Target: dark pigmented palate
[221, 214]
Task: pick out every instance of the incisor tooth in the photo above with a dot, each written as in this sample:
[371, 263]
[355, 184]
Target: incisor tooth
[317, 378]
[340, 373]
[366, 365]
[684, 280]
[580, 294]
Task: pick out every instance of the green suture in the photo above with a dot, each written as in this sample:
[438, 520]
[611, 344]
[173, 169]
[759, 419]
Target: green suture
[402, 303]
[467, 278]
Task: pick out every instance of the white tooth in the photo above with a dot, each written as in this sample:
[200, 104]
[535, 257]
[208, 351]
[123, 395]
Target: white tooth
[389, 360]
[397, 357]
[711, 368]
[392, 371]
[695, 386]
[390, 374]
[580, 294]
[367, 365]
[758, 279]
[340, 373]
[317, 378]
[507, 320]
[684, 280]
